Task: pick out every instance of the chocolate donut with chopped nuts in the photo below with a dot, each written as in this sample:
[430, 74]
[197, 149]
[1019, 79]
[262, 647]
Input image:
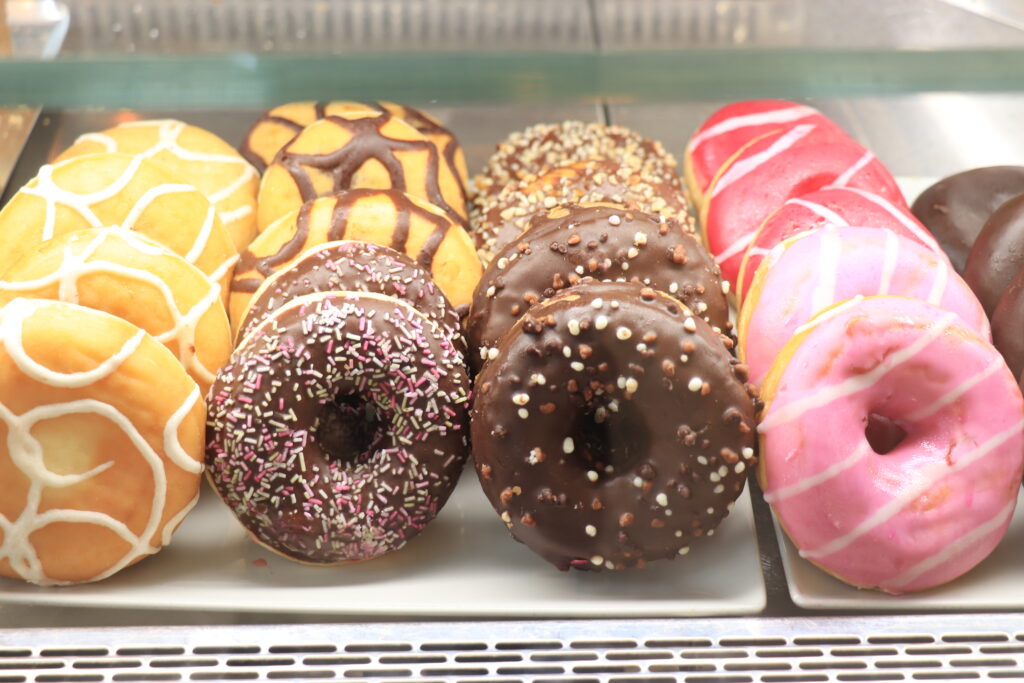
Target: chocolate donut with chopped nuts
[602, 241]
[502, 216]
[612, 428]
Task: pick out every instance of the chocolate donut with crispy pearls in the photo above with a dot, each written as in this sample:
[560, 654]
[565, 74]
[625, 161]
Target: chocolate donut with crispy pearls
[612, 427]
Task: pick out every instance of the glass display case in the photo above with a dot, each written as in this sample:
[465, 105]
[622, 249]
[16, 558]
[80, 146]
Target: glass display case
[930, 86]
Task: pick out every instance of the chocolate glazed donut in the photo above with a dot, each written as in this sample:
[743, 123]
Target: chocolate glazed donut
[605, 242]
[338, 429]
[1008, 326]
[998, 253]
[357, 267]
[612, 428]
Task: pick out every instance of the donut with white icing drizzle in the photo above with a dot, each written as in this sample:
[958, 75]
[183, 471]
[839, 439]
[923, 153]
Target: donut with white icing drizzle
[101, 190]
[733, 126]
[339, 428]
[891, 443]
[773, 168]
[123, 273]
[97, 474]
[203, 159]
[814, 270]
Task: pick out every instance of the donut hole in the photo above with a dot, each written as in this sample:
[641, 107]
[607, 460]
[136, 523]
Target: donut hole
[348, 429]
[883, 434]
[610, 443]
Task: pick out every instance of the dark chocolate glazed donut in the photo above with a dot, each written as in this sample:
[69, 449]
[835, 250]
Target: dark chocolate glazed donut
[955, 208]
[998, 253]
[1008, 325]
[501, 217]
[612, 427]
[601, 241]
[339, 427]
[356, 267]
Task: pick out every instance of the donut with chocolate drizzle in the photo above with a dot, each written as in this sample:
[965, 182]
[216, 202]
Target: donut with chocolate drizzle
[338, 429]
[602, 241]
[357, 267]
[612, 428]
[352, 150]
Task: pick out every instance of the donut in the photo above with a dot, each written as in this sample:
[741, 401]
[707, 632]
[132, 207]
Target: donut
[955, 208]
[891, 444]
[773, 168]
[503, 216]
[358, 267]
[100, 190]
[836, 206]
[546, 145]
[998, 253]
[1008, 325]
[188, 152]
[601, 241]
[612, 428]
[134, 278]
[386, 217]
[808, 273]
[104, 443]
[277, 127]
[358, 150]
[339, 427]
[731, 128]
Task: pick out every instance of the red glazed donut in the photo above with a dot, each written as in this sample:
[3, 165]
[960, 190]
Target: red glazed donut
[338, 429]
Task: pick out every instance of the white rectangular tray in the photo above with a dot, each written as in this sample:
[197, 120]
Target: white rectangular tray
[996, 583]
[464, 564]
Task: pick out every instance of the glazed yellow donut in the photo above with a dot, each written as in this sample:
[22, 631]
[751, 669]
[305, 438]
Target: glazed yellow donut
[188, 152]
[279, 125]
[125, 274]
[102, 448]
[386, 217]
[98, 190]
[357, 149]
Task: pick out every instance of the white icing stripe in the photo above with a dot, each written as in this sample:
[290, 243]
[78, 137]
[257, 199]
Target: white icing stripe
[735, 248]
[172, 446]
[892, 252]
[150, 196]
[764, 118]
[925, 481]
[958, 546]
[203, 238]
[948, 398]
[104, 141]
[847, 175]
[828, 214]
[12, 318]
[939, 284]
[808, 483]
[858, 383]
[174, 522]
[238, 214]
[912, 226]
[831, 252]
[827, 315]
[750, 164]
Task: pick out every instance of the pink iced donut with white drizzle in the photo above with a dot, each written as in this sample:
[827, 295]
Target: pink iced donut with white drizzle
[891, 444]
[730, 128]
[777, 167]
[837, 206]
[814, 270]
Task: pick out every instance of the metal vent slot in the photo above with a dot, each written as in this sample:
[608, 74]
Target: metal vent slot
[300, 649]
[226, 650]
[975, 638]
[864, 651]
[147, 677]
[825, 641]
[224, 675]
[564, 657]
[900, 639]
[130, 651]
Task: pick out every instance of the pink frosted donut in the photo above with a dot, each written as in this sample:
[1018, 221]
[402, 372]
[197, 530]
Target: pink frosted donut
[730, 128]
[774, 168]
[810, 272]
[837, 206]
[891, 444]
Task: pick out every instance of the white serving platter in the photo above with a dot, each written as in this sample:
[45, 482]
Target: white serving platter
[464, 564]
[996, 583]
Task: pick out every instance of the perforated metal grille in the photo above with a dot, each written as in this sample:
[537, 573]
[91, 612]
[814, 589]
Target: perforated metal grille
[711, 651]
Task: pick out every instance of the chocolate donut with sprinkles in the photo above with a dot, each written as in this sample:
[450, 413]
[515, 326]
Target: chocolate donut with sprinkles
[602, 241]
[358, 267]
[339, 427]
[612, 428]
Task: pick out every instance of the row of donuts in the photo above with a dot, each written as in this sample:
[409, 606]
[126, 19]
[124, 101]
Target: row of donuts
[891, 433]
[113, 224]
